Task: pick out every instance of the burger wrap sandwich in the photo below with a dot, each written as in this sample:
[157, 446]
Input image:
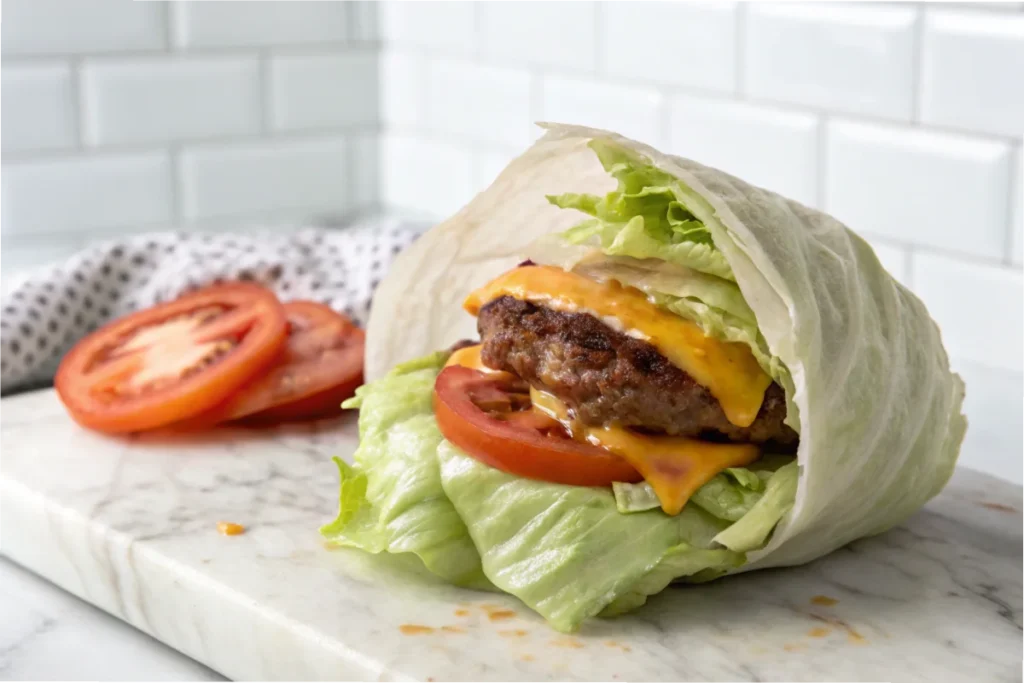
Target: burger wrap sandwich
[670, 375]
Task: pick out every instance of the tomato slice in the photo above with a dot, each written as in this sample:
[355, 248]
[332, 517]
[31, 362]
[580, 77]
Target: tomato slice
[320, 366]
[171, 361]
[488, 416]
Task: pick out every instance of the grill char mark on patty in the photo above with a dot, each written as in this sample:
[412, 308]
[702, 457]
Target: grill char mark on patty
[607, 377]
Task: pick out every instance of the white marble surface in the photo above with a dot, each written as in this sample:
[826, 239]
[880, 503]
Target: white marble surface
[41, 620]
[129, 525]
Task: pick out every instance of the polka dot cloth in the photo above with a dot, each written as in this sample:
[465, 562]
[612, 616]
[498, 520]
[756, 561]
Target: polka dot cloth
[45, 313]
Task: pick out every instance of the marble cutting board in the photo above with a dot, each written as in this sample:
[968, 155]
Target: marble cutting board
[129, 525]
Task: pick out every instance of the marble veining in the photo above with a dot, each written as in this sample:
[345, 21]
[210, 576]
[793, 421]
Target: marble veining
[40, 619]
[129, 524]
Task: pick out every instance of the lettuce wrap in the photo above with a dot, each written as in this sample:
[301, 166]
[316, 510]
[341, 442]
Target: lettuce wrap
[867, 383]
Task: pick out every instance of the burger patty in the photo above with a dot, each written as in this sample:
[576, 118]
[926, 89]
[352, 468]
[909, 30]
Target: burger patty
[607, 377]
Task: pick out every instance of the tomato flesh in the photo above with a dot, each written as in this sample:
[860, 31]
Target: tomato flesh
[320, 366]
[171, 361]
[487, 415]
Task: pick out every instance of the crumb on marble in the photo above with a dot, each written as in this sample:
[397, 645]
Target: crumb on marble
[230, 528]
[852, 635]
[497, 612]
[462, 612]
[793, 647]
[527, 658]
[415, 629]
[571, 643]
[1000, 507]
[823, 600]
[453, 629]
[513, 633]
[501, 615]
[819, 632]
[613, 643]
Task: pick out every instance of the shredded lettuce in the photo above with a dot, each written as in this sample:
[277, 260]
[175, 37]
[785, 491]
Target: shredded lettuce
[752, 529]
[643, 218]
[729, 495]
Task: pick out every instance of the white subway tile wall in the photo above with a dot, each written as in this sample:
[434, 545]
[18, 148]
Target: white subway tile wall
[896, 182]
[487, 104]
[443, 187]
[309, 91]
[86, 193]
[634, 111]
[857, 59]
[122, 116]
[629, 38]
[259, 24]
[973, 93]
[551, 33]
[69, 27]
[773, 148]
[38, 107]
[1017, 212]
[140, 100]
[269, 176]
[905, 120]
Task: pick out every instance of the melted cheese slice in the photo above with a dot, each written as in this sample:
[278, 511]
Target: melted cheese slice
[675, 467]
[727, 369]
[469, 357]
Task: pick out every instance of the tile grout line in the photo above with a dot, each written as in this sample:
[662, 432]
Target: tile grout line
[169, 15]
[1016, 178]
[821, 159]
[908, 266]
[263, 57]
[177, 200]
[78, 97]
[536, 106]
[102, 151]
[740, 52]
[917, 68]
[600, 18]
[666, 89]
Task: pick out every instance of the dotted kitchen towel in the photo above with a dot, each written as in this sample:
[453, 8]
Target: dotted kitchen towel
[47, 311]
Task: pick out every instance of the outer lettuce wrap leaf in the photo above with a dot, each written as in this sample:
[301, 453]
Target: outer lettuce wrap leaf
[879, 411]
[392, 500]
[681, 561]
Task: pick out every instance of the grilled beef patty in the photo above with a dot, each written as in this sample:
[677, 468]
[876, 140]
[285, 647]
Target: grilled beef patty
[607, 377]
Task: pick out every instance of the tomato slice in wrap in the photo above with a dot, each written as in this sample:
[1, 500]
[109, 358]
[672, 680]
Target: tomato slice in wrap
[489, 416]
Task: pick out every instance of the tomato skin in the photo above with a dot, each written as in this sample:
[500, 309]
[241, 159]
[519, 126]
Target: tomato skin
[258, 324]
[516, 449]
[318, 406]
[320, 365]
